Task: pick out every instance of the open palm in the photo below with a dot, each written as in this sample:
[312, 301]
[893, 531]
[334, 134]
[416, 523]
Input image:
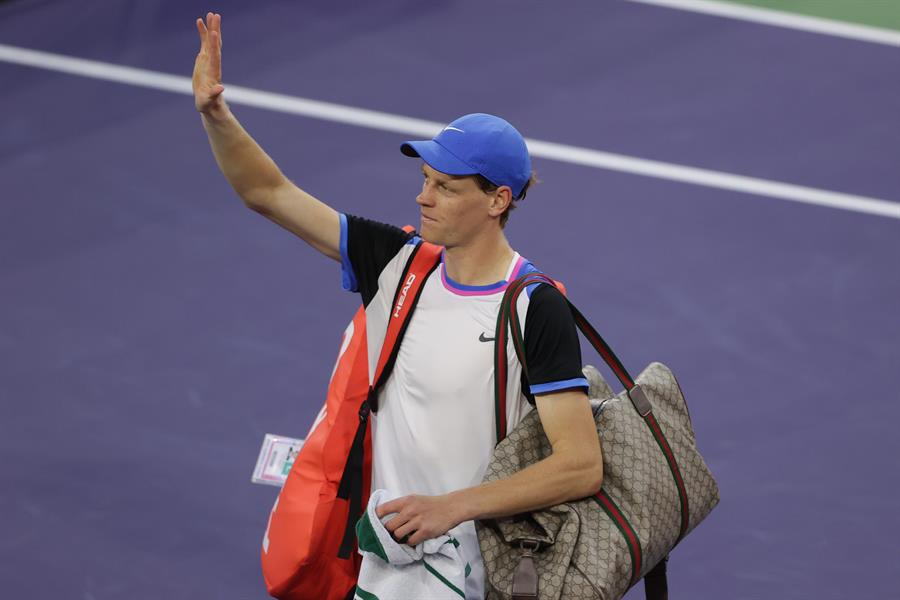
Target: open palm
[207, 77]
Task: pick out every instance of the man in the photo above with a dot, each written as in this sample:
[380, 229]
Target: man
[433, 433]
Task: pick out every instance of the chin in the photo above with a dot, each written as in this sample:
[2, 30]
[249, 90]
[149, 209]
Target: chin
[430, 238]
[427, 233]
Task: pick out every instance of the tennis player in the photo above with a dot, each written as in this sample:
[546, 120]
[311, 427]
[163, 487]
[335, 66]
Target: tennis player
[434, 432]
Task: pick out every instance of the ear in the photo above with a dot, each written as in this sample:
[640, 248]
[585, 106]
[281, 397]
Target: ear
[500, 200]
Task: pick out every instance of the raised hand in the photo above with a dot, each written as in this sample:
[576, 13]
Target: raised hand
[207, 77]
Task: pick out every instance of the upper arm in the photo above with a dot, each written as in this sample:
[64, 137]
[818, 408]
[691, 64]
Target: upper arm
[568, 421]
[559, 386]
[305, 216]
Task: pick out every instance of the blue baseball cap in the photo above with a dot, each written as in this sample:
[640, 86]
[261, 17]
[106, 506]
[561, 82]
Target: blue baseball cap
[477, 144]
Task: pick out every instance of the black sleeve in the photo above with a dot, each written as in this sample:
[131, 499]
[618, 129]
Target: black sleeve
[369, 247]
[552, 350]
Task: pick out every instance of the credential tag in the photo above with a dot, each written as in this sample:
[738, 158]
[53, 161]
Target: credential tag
[276, 457]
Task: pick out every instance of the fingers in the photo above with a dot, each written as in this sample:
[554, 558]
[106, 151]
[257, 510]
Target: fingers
[402, 526]
[213, 23]
[394, 506]
[417, 538]
[405, 531]
[201, 30]
[215, 55]
[396, 522]
[214, 45]
[406, 526]
[399, 528]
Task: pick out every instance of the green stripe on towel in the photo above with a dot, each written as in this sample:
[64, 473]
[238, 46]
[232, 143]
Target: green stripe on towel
[364, 595]
[443, 579]
[368, 539]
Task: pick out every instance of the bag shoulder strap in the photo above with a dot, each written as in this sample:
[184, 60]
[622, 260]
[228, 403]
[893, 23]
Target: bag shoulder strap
[508, 304]
[423, 260]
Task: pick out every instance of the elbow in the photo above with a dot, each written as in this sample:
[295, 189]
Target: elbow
[255, 201]
[257, 206]
[593, 478]
[262, 197]
[587, 477]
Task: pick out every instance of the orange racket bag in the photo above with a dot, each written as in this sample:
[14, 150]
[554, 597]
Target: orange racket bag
[309, 548]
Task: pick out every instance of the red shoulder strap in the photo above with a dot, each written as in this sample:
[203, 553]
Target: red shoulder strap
[424, 259]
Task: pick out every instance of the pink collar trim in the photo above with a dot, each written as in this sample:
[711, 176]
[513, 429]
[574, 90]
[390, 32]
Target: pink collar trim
[460, 289]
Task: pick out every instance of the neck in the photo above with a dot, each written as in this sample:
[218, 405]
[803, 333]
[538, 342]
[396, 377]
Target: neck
[482, 262]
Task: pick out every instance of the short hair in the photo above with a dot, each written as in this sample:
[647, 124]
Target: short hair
[488, 187]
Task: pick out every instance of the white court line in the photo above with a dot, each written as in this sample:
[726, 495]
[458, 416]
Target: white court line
[422, 128]
[865, 33]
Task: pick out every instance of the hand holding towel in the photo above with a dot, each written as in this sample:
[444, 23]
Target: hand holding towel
[432, 570]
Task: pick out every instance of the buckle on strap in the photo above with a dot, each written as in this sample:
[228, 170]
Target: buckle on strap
[640, 401]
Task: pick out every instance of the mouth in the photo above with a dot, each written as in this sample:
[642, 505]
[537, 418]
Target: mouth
[427, 219]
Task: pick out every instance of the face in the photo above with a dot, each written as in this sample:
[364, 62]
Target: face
[454, 209]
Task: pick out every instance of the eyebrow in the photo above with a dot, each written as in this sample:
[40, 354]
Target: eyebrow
[444, 177]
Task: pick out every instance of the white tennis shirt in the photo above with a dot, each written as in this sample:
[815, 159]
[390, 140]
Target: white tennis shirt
[434, 431]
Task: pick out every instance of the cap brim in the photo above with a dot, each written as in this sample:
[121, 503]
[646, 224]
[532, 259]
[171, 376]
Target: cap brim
[437, 157]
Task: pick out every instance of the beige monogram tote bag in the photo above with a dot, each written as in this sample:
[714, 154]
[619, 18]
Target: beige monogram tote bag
[656, 486]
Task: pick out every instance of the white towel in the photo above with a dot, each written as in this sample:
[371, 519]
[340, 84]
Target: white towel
[432, 570]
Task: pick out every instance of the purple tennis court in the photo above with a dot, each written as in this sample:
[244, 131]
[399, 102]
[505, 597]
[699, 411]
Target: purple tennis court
[153, 329]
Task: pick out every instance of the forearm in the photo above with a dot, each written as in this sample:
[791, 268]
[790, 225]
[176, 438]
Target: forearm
[551, 481]
[246, 166]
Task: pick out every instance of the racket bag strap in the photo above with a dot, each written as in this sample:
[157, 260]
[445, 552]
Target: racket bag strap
[421, 263]
[350, 488]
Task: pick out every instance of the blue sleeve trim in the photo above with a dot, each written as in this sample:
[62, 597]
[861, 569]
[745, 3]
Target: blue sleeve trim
[348, 277]
[555, 386]
[413, 240]
[527, 268]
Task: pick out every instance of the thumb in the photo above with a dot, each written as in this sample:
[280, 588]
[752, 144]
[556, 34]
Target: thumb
[216, 90]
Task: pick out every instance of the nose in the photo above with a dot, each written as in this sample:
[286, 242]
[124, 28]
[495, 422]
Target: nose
[424, 197]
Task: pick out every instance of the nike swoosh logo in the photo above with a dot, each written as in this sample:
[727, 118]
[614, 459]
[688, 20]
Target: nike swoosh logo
[453, 129]
[481, 338]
